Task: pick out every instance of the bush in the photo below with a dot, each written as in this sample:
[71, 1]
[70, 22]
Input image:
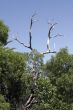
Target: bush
[12, 67]
[3, 104]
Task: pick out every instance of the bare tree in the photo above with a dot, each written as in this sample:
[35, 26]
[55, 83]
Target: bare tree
[48, 40]
[31, 99]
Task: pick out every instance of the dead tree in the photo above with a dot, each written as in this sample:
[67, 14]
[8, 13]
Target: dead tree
[31, 99]
[29, 46]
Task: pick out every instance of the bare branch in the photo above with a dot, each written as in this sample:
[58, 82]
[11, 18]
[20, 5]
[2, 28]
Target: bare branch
[33, 101]
[31, 23]
[30, 36]
[29, 100]
[9, 42]
[30, 39]
[58, 35]
[50, 30]
[32, 20]
[23, 44]
[48, 52]
[49, 36]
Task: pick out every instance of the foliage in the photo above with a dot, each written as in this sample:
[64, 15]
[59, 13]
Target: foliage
[35, 60]
[12, 67]
[60, 72]
[3, 33]
[3, 104]
[52, 92]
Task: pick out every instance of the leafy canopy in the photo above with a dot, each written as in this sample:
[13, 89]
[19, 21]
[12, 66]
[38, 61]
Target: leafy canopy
[3, 33]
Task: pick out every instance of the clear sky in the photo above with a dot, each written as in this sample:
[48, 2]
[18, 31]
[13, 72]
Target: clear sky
[17, 13]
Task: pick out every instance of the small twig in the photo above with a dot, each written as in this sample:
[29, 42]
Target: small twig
[58, 35]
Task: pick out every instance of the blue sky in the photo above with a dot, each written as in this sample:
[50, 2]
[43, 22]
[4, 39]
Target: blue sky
[17, 13]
